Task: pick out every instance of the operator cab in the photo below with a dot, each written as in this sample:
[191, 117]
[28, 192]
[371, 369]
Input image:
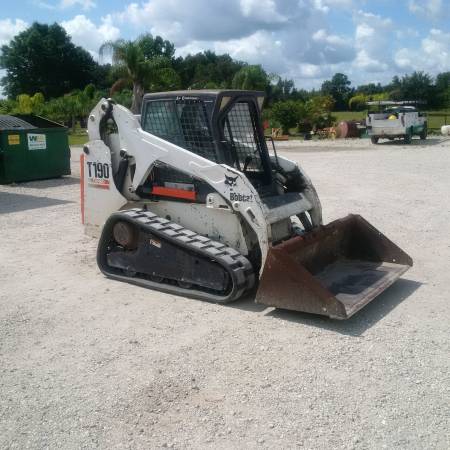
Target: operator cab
[222, 126]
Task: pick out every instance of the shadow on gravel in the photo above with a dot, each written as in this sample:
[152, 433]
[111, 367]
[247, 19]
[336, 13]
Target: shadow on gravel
[51, 183]
[10, 202]
[414, 142]
[356, 325]
[247, 303]
[363, 319]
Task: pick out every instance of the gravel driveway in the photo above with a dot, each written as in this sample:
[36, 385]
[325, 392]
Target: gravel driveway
[86, 362]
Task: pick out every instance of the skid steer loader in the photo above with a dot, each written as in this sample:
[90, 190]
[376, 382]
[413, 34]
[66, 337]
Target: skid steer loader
[188, 200]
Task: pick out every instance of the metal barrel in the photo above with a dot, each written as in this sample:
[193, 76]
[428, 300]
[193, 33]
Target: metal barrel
[333, 271]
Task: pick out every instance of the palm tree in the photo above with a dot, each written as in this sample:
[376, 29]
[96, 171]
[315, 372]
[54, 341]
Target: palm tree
[131, 66]
[251, 78]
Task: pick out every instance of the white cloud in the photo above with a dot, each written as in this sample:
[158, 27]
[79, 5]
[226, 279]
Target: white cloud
[433, 9]
[86, 33]
[325, 5]
[232, 19]
[260, 47]
[309, 70]
[406, 33]
[373, 38]
[288, 37]
[257, 48]
[9, 28]
[369, 63]
[331, 39]
[433, 55]
[263, 10]
[85, 5]
[325, 48]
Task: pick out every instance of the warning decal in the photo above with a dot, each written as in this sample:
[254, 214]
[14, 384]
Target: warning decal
[13, 139]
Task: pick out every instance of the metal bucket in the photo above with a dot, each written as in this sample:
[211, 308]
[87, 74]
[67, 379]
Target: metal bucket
[334, 271]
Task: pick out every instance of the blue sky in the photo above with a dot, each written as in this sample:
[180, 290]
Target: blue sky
[306, 40]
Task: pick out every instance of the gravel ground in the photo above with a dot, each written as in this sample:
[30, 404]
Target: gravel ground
[86, 362]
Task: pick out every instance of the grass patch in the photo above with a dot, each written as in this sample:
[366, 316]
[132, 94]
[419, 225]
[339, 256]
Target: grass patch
[349, 115]
[78, 138]
[438, 118]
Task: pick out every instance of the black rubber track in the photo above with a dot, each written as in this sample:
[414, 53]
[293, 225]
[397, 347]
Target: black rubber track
[236, 265]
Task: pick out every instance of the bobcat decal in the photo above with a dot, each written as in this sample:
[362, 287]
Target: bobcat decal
[230, 181]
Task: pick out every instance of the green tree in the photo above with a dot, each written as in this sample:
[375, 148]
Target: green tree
[83, 101]
[24, 105]
[123, 97]
[207, 70]
[417, 86]
[370, 89]
[251, 78]
[59, 109]
[442, 85]
[358, 102]
[7, 106]
[136, 65]
[281, 89]
[338, 88]
[287, 113]
[318, 111]
[43, 59]
[37, 102]
[165, 79]
[73, 107]
[153, 47]
[29, 104]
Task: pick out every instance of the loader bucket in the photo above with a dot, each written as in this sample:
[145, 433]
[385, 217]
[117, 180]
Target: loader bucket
[334, 271]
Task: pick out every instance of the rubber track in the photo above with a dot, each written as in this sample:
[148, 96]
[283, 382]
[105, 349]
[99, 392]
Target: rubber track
[237, 265]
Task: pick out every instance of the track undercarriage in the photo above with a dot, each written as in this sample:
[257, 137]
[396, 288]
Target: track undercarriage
[139, 247]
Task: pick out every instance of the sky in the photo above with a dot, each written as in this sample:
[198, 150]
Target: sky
[304, 40]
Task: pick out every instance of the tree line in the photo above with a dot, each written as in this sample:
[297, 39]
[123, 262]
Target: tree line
[47, 74]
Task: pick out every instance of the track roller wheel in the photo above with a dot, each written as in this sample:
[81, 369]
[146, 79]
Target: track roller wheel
[126, 235]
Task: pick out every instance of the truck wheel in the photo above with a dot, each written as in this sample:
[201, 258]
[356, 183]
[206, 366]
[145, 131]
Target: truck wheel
[374, 139]
[408, 137]
[424, 133]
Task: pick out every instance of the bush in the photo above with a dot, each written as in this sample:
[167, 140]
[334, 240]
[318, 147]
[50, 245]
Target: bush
[357, 102]
[288, 114]
[318, 112]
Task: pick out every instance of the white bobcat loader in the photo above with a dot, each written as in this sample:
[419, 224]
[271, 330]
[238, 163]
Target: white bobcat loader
[188, 200]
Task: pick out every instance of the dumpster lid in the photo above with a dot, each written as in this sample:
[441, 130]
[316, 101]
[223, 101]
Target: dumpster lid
[8, 122]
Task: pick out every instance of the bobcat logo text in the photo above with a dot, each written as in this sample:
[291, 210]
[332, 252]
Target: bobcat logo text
[235, 197]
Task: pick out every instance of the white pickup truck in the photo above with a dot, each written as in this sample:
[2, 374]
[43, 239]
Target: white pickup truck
[395, 120]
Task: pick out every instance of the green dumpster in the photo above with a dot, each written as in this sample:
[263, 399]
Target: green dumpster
[32, 148]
